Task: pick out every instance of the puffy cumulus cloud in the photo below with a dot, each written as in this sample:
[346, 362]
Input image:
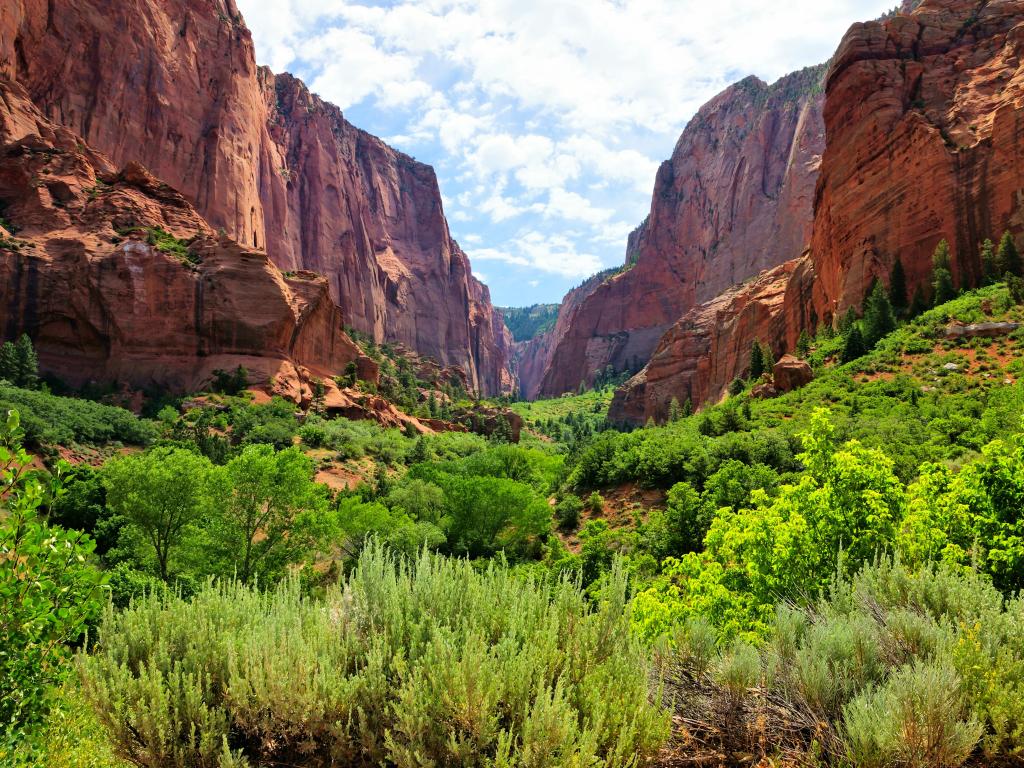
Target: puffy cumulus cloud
[541, 114]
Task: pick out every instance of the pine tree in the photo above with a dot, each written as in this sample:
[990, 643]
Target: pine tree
[769, 358]
[688, 408]
[26, 363]
[848, 321]
[674, 411]
[9, 362]
[854, 346]
[898, 286]
[987, 256]
[735, 387]
[879, 318]
[803, 344]
[1008, 257]
[942, 286]
[941, 258]
[756, 361]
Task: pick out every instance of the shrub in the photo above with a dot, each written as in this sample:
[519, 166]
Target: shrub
[49, 590]
[567, 512]
[917, 719]
[433, 662]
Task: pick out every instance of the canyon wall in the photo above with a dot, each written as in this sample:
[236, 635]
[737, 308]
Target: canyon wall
[174, 85]
[924, 141]
[105, 300]
[735, 198]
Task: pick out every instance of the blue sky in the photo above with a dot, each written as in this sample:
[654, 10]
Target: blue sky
[544, 119]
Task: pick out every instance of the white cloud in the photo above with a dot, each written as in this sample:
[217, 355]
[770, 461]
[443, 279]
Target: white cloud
[541, 114]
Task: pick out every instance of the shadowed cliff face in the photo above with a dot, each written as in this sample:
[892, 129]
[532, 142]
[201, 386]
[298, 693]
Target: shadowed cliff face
[175, 86]
[735, 198]
[80, 274]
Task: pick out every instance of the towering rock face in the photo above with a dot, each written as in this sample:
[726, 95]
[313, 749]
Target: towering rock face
[735, 199]
[175, 86]
[81, 272]
[925, 141]
[708, 347]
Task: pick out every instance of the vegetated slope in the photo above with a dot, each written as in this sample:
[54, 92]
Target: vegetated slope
[735, 198]
[923, 123]
[175, 86]
[526, 323]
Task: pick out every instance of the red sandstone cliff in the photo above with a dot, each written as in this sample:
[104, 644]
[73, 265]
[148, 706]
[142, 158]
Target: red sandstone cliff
[925, 141]
[735, 198]
[101, 303]
[708, 348]
[175, 86]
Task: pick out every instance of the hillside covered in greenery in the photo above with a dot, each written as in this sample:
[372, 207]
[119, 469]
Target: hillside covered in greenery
[529, 322]
[826, 577]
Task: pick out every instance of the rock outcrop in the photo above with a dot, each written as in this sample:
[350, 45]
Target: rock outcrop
[925, 122]
[708, 348]
[116, 277]
[736, 198]
[791, 373]
[174, 85]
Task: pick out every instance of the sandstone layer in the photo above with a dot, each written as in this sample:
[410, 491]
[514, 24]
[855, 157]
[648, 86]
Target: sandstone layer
[80, 274]
[174, 85]
[925, 141]
[708, 348]
[735, 198]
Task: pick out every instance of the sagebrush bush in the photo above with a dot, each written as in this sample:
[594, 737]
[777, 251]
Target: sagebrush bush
[408, 664]
[918, 719]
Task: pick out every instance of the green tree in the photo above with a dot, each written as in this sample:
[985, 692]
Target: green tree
[567, 512]
[756, 361]
[688, 408]
[848, 321]
[675, 411]
[803, 344]
[898, 286]
[987, 257]
[490, 514]
[879, 318]
[1007, 256]
[854, 346]
[942, 286]
[49, 587]
[268, 511]
[19, 363]
[943, 289]
[161, 494]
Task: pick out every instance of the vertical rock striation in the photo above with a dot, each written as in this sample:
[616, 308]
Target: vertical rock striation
[174, 85]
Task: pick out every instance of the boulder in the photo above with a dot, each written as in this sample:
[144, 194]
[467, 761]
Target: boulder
[792, 373]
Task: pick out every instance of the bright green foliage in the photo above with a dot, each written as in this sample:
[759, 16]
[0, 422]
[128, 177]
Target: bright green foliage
[162, 495]
[267, 512]
[49, 589]
[675, 411]
[50, 420]
[843, 512]
[1008, 257]
[429, 663]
